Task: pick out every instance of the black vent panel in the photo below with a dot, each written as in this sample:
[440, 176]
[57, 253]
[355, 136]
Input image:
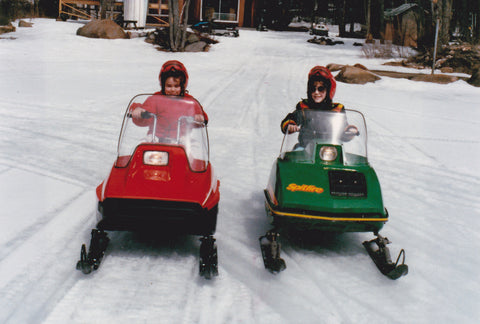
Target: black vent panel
[347, 183]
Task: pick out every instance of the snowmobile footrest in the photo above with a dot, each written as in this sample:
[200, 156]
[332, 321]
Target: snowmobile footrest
[82, 264]
[208, 257]
[270, 248]
[91, 260]
[381, 257]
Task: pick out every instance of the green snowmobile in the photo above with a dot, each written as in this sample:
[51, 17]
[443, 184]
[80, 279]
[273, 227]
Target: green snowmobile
[322, 181]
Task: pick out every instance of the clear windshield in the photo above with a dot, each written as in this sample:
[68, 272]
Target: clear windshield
[173, 120]
[326, 127]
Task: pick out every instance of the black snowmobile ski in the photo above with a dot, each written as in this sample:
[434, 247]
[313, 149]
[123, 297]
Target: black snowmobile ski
[208, 257]
[382, 259]
[96, 251]
[271, 252]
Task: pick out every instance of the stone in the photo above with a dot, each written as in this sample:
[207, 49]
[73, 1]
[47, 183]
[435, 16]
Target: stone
[435, 78]
[475, 78]
[105, 28]
[355, 75]
[7, 29]
[333, 67]
[196, 47]
[23, 23]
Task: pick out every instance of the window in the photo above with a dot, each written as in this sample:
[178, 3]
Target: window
[220, 10]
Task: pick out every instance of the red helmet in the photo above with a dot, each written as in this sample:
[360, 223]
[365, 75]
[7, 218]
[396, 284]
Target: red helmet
[322, 73]
[175, 69]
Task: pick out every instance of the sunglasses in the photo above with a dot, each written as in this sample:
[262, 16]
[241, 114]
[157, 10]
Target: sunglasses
[319, 89]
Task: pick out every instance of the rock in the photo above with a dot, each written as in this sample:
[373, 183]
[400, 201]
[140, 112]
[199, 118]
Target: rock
[192, 38]
[102, 29]
[324, 41]
[196, 47]
[435, 78]
[22, 23]
[447, 69]
[360, 66]
[7, 29]
[369, 39]
[475, 78]
[355, 75]
[333, 67]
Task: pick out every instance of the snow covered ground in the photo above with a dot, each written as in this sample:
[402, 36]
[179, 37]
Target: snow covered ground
[62, 99]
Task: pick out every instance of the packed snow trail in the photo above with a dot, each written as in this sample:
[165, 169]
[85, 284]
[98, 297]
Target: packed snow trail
[61, 112]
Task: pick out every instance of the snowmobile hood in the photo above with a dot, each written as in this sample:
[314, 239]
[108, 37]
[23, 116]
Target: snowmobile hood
[163, 154]
[175, 181]
[310, 187]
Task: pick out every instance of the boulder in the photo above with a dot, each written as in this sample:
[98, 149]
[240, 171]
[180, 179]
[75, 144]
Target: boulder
[360, 66]
[435, 78]
[447, 69]
[105, 28]
[192, 38]
[196, 47]
[7, 29]
[355, 75]
[475, 78]
[23, 23]
[333, 67]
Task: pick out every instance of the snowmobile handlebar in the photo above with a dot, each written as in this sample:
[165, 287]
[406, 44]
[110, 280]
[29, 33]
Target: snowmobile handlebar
[147, 115]
[144, 114]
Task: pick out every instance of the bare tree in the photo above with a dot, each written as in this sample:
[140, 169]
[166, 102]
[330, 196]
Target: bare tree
[103, 9]
[178, 24]
[442, 10]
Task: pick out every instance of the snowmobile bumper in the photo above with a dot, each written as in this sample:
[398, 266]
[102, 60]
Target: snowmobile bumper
[155, 215]
[302, 219]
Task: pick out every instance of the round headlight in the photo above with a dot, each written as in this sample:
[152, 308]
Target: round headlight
[328, 153]
[155, 158]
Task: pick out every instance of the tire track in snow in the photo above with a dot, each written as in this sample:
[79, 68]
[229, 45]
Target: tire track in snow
[44, 249]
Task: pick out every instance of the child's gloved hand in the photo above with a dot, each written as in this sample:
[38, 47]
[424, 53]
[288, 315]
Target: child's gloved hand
[137, 113]
[292, 128]
[199, 118]
[352, 130]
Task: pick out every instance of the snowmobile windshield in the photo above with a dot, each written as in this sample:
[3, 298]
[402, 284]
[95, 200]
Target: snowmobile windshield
[347, 129]
[164, 120]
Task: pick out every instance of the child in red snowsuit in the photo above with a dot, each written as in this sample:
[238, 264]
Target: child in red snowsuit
[173, 81]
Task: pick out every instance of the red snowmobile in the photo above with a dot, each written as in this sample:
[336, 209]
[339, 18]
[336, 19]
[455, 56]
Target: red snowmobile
[162, 181]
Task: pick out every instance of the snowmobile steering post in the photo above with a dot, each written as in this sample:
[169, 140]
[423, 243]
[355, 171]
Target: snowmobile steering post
[148, 115]
[187, 118]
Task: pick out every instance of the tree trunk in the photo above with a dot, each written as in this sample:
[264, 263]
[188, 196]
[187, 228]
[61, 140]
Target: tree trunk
[376, 18]
[103, 9]
[443, 12]
[178, 29]
[476, 30]
[186, 5]
[341, 17]
[367, 18]
[314, 14]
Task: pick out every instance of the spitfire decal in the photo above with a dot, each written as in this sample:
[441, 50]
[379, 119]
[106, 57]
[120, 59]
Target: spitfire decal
[304, 188]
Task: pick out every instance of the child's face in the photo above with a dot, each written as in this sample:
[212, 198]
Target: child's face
[172, 86]
[319, 91]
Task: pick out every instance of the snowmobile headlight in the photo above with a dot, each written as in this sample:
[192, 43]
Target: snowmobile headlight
[328, 153]
[155, 158]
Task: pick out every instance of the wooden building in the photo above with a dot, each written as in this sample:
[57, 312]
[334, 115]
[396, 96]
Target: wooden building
[237, 12]
[404, 25]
